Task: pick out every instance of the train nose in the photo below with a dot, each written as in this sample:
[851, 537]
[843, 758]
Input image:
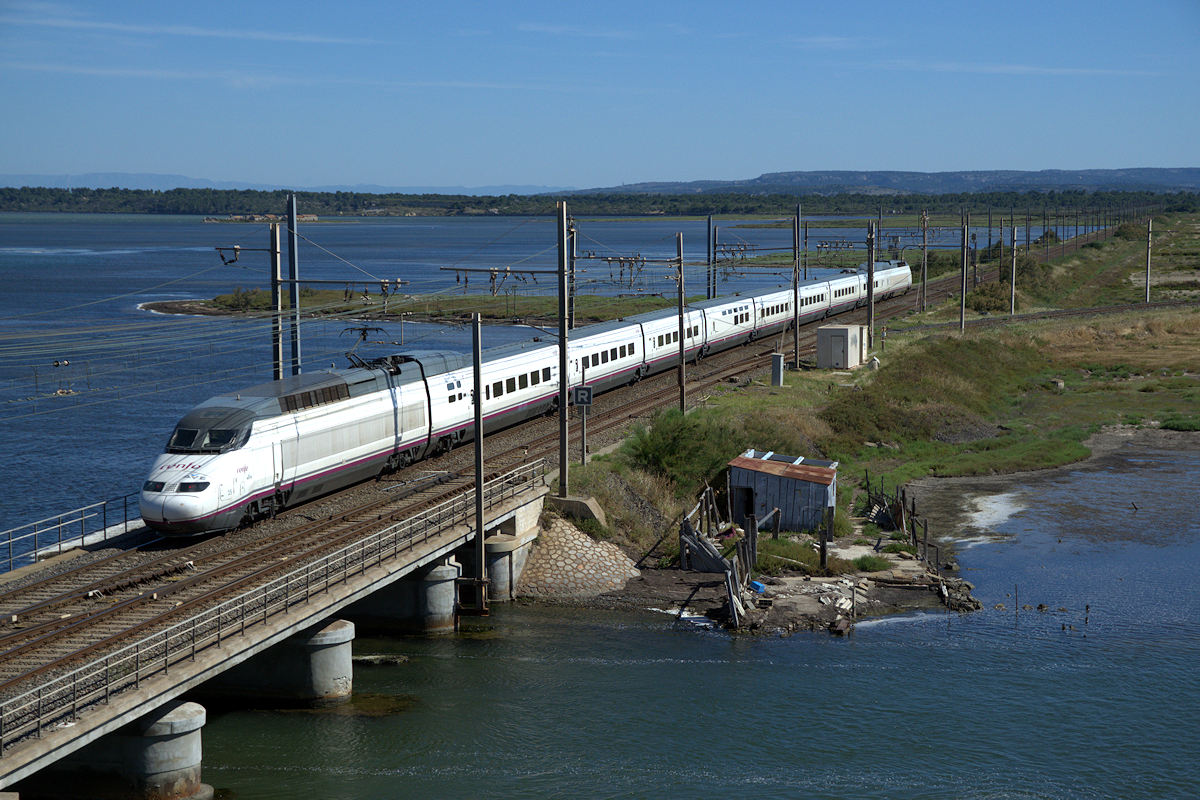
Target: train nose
[180, 509]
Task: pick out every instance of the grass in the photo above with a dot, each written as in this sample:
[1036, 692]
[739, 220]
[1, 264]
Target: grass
[871, 563]
[801, 557]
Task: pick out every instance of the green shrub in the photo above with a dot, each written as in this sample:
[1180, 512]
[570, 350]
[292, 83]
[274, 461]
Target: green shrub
[689, 450]
[1130, 231]
[1181, 422]
[993, 296]
[871, 563]
[899, 547]
[592, 528]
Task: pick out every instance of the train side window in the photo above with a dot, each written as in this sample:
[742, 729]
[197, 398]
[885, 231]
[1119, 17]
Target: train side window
[487, 393]
[510, 385]
[497, 388]
[545, 373]
[524, 381]
[535, 377]
[632, 348]
[604, 357]
[612, 354]
[452, 398]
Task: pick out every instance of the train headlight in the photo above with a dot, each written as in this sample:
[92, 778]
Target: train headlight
[193, 486]
[153, 486]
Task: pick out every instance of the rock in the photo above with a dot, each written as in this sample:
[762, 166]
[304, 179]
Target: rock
[1043, 607]
[840, 626]
[381, 659]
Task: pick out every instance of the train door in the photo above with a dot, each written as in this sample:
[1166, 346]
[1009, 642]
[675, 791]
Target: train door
[284, 457]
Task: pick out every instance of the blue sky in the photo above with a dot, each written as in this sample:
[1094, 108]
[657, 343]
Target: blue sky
[592, 94]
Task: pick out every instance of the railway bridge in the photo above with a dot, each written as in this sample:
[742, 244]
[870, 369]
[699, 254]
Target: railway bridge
[281, 638]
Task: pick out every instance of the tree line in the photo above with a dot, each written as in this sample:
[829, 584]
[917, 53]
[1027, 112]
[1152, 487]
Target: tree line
[216, 202]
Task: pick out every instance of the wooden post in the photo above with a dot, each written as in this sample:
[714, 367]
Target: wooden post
[826, 534]
[751, 541]
[728, 501]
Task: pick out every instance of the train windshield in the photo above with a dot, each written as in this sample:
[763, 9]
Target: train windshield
[213, 440]
[211, 430]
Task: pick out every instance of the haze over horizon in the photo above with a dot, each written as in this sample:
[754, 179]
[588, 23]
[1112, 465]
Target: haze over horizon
[540, 94]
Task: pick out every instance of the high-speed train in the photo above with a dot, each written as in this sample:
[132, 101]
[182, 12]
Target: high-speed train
[241, 456]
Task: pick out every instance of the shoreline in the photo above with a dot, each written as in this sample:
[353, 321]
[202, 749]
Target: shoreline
[951, 500]
[790, 601]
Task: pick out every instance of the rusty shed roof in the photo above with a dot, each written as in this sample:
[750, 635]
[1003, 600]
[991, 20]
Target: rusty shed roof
[811, 470]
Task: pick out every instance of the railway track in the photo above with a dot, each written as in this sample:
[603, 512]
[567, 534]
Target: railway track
[54, 633]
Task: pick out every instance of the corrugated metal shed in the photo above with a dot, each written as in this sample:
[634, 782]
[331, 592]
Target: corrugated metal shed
[801, 488]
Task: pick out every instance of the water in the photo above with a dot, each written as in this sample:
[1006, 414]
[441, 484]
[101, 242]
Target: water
[541, 702]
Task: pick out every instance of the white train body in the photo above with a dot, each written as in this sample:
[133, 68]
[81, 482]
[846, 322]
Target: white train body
[240, 456]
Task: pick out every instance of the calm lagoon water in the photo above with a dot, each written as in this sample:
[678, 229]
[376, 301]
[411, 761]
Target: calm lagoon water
[1099, 700]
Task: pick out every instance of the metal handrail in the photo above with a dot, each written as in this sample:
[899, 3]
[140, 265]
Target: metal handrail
[58, 701]
[67, 529]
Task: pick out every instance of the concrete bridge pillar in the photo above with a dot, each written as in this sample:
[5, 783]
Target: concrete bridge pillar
[422, 602]
[506, 555]
[506, 548]
[311, 669]
[156, 757]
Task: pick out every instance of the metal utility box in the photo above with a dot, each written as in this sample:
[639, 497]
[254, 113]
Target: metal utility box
[841, 346]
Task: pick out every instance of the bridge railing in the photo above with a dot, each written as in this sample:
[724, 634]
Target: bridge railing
[95, 522]
[58, 701]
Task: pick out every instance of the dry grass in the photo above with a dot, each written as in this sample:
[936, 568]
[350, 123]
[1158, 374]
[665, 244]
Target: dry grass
[1165, 340]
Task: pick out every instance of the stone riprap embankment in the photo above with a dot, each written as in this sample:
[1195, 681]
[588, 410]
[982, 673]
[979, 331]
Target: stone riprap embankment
[568, 564]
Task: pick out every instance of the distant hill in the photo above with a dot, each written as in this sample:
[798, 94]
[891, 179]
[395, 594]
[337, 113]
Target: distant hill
[163, 183]
[1154, 179]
